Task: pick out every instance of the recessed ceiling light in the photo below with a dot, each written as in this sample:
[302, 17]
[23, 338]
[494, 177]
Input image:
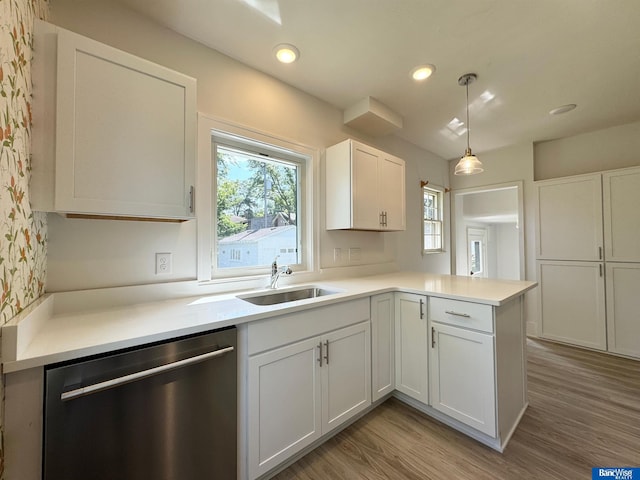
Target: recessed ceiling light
[563, 109]
[422, 72]
[286, 53]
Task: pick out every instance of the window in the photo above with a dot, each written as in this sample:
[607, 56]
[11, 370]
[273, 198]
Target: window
[432, 220]
[257, 211]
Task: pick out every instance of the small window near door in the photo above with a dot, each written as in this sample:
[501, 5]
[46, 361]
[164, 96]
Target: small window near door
[432, 220]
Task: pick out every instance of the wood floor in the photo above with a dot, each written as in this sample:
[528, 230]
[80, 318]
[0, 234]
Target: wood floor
[584, 411]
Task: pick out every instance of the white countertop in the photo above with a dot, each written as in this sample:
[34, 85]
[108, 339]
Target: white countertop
[38, 336]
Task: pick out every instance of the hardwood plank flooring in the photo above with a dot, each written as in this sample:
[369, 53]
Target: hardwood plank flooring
[584, 411]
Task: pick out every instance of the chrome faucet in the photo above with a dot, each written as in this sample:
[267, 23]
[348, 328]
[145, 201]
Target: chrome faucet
[276, 272]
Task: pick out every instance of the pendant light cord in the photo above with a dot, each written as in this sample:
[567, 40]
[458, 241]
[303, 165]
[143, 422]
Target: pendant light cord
[468, 134]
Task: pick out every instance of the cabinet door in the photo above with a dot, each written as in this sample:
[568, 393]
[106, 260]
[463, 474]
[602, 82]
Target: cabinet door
[382, 345]
[623, 308]
[125, 133]
[411, 346]
[366, 209]
[346, 374]
[284, 414]
[462, 376]
[572, 305]
[622, 215]
[391, 188]
[569, 219]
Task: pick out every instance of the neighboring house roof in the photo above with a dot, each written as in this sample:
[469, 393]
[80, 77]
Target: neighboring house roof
[250, 236]
[236, 219]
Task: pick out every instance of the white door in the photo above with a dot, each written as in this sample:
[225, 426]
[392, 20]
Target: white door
[569, 219]
[125, 133]
[391, 186]
[284, 414]
[411, 346]
[572, 302]
[346, 374]
[623, 308]
[462, 376]
[366, 211]
[622, 215]
[477, 260]
[382, 345]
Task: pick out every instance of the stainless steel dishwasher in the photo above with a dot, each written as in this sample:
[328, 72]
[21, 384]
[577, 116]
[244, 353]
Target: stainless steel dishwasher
[164, 411]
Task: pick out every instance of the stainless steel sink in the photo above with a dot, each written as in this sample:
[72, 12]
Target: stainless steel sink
[276, 297]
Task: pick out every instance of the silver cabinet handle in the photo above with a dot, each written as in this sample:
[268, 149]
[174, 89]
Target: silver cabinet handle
[326, 352]
[192, 199]
[600, 265]
[115, 382]
[381, 219]
[320, 353]
[421, 309]
[600, 253]
[433, 337]
[457, 314]
[385, 218]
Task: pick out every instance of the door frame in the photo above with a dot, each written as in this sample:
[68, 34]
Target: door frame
[457, 205]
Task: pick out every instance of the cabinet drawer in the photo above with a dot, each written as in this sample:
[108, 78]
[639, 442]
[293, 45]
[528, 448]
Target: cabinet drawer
[464, 314]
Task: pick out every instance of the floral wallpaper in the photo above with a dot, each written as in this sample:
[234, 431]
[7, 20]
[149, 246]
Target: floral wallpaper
[23, 233]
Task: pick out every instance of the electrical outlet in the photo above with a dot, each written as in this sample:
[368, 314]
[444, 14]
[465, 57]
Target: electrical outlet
[337, 255]
[163, 263]
[355, 255]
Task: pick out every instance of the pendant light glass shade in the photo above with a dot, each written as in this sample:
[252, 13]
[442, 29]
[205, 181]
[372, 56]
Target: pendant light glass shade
[469, 163]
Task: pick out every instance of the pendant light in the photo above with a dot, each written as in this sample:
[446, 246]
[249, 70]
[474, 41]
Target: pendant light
[469, 163]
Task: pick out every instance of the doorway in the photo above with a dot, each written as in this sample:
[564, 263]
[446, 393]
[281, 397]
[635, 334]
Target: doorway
[477, 251]
[488, 231]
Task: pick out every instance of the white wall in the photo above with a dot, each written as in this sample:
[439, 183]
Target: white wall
[608, 149]
[93, 253]
[507, 251]
[424, 166]
[505, 165]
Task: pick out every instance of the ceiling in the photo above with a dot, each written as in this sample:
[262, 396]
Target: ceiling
[532, 56]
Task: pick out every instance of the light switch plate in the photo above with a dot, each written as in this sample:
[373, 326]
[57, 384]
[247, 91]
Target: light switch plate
[355, 255]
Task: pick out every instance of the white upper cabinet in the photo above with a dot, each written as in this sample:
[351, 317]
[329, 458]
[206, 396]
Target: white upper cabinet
[114, 135]
[622, 215]
[365, 188]
[570, 219]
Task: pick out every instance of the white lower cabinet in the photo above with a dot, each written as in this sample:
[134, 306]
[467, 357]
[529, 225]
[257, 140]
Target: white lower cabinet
[623, 307]
[462, 380]
[308, 373]
[382, 345]
[299, 392]
[411, 346]
[284, 404]
[572, 302]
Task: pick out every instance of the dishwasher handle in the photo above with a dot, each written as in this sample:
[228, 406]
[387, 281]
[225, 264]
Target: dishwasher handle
[115, 382]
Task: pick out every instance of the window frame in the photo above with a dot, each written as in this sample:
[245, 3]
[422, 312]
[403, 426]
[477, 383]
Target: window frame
[440, 192]
[259, 149]
[307, 160]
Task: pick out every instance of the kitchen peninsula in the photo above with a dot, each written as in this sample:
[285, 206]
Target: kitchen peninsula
[450, 346]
